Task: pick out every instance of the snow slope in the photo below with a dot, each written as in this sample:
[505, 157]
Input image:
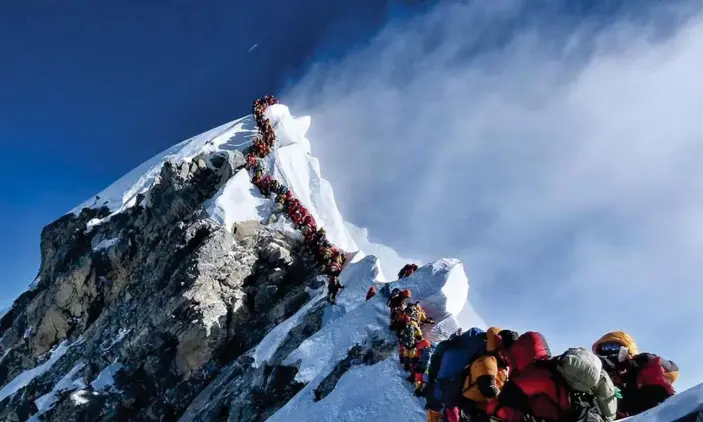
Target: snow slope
[375, 392]
[682, 404]
[366, 390]
[123, 193]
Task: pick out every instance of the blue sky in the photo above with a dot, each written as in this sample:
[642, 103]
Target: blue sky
[92, 89]
[552, 147]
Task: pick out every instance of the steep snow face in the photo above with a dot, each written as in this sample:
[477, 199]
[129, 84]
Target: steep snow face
[364, 392]
[122, 194]
[239, 200]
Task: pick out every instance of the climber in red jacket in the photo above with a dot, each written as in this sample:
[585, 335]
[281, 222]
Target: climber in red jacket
[309, 221]
[532, 388]
[371, 293]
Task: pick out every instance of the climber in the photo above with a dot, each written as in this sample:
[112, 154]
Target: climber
[486, 375]
[334, 267]
[563, 389]
[393, 299]
[448, 360]
[407, 270]
[423, 352]
[256, 178]
[371, 293]
[285, 197]
[309, 221]
[418, 314]
[644, 379]
[251, 160]
[333, 287]
[397, 305]
[410, 335]
[264, 185]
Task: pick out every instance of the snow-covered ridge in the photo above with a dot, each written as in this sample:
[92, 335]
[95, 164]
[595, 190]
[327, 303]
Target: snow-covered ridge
[239, 200]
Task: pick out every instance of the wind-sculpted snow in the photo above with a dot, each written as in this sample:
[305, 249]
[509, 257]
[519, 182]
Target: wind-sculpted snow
[235, 135]
[442, 287]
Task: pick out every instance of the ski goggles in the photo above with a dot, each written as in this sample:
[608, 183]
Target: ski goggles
[607, 349]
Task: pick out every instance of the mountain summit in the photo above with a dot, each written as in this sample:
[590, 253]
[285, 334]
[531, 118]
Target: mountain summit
[181, 292]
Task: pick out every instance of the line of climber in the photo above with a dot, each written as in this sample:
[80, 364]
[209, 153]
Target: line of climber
[330, 259]
[498, 375]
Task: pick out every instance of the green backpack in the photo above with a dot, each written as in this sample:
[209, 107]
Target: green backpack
[408, 336]
[583, 373]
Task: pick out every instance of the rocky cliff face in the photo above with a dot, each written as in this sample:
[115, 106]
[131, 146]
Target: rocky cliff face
[161, 300]
[181, 293]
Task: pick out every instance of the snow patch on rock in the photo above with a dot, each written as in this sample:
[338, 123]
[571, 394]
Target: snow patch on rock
[106, 244]
[67, 383]
[106, 379]
[23, 379]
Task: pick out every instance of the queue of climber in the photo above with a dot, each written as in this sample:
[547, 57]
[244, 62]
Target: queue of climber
[494, 375]
[329, 258]
[499, 375]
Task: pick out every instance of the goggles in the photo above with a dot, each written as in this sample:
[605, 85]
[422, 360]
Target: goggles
[607, 349]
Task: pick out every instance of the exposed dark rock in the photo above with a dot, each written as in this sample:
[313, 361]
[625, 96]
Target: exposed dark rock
[175, 299]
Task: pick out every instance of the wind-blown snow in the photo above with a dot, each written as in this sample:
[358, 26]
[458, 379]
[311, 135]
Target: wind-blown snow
[67, 383]
[106, 378]
[21, 380]
[123, 193]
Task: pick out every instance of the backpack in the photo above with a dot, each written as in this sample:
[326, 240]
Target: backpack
[408, 335]
[414, 312]
[593, 394]
[426, 356]
[460, 352]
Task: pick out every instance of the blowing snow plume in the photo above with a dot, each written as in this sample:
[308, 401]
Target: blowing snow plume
[556, 152]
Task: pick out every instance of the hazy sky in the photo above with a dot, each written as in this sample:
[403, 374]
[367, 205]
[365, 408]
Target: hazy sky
[558, 154]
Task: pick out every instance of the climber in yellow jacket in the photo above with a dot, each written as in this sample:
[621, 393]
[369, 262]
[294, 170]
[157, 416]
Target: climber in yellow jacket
[486, 374]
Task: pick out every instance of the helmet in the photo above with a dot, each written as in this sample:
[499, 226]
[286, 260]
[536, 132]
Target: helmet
[611, 342]
[406, 293]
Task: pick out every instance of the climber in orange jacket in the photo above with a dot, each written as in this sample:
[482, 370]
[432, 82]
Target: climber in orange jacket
[645, 380]
[486, 375]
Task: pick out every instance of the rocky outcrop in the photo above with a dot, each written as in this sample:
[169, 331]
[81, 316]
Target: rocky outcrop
[160, 290]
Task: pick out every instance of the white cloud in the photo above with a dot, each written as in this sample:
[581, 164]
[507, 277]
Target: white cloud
[563, 166]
